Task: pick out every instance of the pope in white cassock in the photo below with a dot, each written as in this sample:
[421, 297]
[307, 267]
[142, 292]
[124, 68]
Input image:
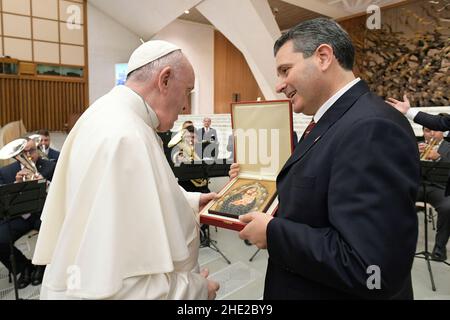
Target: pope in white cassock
[116, 225]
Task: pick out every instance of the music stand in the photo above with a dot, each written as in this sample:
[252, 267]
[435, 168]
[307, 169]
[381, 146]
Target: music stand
[17, 199]
[432, 173]
[254, 255]
[205, 170]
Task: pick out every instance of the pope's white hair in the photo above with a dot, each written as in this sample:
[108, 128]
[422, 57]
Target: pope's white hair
[145, 73]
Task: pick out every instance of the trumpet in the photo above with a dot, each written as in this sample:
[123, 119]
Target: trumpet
[40, 148]
[15, 149]
[426, 152]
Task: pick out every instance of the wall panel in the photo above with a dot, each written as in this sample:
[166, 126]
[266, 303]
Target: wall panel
[72, 55]
[232, 76]
[68, 10]
[45, 9]
[44, 29]
[73, 35]
[46, 52]
[16, 26]
[18, 48]
[17, 6]
[40, 103]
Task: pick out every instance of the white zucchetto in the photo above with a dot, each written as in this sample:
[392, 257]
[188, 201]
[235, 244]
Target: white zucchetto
[148, 52]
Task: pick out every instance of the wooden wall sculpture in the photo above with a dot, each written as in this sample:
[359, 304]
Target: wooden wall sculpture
[409, 54]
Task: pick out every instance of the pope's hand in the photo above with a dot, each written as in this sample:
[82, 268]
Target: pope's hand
[256, 228]
[205, 198]
[213, 286]
[402, 106]
[234, 170]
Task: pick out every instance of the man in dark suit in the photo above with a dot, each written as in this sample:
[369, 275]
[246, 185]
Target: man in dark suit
[208, 137]
[52, 154]
[346, 226]
[24, 224]
[440, 122]
[436, 192]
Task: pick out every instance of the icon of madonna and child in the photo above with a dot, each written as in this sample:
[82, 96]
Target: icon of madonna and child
[245, 196]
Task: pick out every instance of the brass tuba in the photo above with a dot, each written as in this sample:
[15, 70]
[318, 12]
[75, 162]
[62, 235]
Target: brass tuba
[40, 148]
[431, 144]
[186, 149]
[15, 149]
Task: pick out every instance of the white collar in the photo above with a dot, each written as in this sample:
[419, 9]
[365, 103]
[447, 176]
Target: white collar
[154, 121]
[333, 99]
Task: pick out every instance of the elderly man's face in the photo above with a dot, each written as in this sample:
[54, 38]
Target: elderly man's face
[206, 122]
[31, 151]
[297, 79]
[180, 86]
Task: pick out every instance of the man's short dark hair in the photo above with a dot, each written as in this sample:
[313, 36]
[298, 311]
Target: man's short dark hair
[309, 35]
[44, 132]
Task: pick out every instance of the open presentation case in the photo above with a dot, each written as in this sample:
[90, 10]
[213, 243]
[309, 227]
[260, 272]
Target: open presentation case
[263, 141]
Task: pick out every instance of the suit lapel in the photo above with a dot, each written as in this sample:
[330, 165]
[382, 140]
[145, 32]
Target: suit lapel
[334, 113]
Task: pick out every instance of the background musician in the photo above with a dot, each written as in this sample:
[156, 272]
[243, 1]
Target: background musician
[44, 145]
[20, 226]
[435, 148]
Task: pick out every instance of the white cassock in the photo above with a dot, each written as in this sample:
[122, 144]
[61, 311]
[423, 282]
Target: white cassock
[116, 225]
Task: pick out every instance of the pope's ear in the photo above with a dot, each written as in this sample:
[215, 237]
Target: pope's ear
[164, 77]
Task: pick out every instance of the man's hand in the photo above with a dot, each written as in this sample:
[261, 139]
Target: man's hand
[433, 155]
[205, 198]
[402, 106]
[422, 147]
[234, 170]
[213, 286]
[21, 174]
[24, 173]
[256, 228]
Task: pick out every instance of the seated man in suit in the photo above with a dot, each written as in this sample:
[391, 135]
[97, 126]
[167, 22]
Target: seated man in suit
[436, 193]
[21, 225]
[52, 154]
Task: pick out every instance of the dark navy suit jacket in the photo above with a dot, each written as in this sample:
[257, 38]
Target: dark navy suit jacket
[8, 173]
[53, 154]
[433, 122]
[346, 202]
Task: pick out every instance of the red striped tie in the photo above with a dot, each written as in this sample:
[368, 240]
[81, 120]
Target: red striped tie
[309, 128]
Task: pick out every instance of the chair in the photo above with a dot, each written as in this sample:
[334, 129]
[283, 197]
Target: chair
[432, 213]
[30, 235]
[27, 237]
[73, 118]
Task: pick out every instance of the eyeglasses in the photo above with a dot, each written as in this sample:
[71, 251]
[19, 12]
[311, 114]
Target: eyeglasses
[32, 150]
